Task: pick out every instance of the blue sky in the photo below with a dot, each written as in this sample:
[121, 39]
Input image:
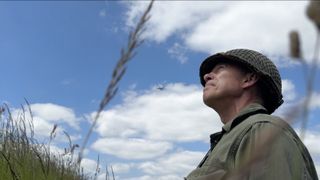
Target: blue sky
[60, 56]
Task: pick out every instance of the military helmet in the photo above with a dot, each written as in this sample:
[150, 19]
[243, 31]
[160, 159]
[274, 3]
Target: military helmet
[269, 81]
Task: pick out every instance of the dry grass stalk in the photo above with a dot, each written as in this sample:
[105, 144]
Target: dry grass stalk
[97, 171]
[295, 44]
[113, 178]
[127, 54]
[309, 86]
[53, 132]
[2, 109]
[313, 12]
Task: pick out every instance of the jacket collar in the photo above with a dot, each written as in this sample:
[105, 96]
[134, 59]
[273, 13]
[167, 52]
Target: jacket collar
[249, 110]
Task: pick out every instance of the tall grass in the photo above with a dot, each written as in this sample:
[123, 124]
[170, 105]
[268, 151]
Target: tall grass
[22, 157]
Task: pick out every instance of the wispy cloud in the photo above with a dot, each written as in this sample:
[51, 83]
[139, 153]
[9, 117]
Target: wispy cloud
[120, 168]
[67, 82]
[312, 141]
[288, 90]
[315, 101]
[103, 13]
[178, 52]
[289, 96]
[178, 164]
[139, 148]
[45, 116]
[218, 26]
[55, 113]
[90, 166]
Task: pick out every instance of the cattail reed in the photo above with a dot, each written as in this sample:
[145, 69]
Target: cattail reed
[295, 50]
[313, 12]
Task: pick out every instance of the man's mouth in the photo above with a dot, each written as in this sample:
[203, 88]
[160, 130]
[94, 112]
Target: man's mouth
[208, 85]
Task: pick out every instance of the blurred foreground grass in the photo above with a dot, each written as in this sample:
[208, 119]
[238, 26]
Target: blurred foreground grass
[23, 158]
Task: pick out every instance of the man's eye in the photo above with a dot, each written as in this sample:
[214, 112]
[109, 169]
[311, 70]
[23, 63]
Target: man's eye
[219, 67]
[222, 66]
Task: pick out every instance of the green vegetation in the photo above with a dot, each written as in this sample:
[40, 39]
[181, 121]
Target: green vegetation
[23, 158]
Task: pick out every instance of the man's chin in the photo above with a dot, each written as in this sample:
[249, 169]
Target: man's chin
[207, 101]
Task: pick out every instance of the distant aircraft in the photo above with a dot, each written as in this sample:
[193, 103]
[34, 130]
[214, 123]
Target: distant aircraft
[161, 87]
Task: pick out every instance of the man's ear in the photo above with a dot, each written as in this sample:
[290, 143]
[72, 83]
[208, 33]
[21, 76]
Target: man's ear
[249, 80]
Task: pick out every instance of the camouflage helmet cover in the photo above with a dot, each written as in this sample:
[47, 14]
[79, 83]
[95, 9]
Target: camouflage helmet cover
[270, 79]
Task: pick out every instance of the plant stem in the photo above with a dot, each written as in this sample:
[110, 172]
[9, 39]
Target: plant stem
[127, 54]
[309, 88]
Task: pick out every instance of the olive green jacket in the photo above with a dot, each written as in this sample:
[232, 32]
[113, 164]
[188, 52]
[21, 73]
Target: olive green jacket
[256, 146]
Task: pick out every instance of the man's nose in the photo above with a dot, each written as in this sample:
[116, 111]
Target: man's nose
[207, 77]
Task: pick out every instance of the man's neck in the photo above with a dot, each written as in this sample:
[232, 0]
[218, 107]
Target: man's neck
[229, 111]
[228, 114]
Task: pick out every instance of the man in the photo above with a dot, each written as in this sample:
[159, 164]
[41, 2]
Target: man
[244, 87]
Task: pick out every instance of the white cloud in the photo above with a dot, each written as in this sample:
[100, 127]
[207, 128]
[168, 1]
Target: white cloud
[42, 127]
[292, 105]
[290, 98]
[55, 113]
[312, 143]
[120, 168]
[175, 113]
[173, 166]
[178, 164]
[218, 26]
[178, 52]
[67, 82]
[288, 90]
[318, 169]
[131, 148]
[315, 101]
[52, 149]
[169, 18]
[44, 118]
[90, 166]
[102, 176]
[174, 98]
[103, 13]
[55, 149]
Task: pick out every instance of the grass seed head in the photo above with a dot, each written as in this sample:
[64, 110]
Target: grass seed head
[295, 50]
[313, 12]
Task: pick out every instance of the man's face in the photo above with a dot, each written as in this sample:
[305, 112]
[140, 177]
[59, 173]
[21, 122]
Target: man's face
[223, 85]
